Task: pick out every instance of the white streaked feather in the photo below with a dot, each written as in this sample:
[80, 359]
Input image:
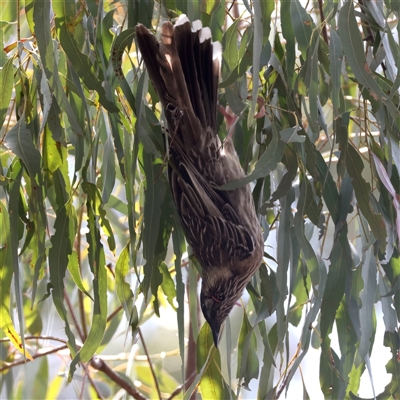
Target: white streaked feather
[196, 25]
[181, 20]
[205, 34]
[217, 51]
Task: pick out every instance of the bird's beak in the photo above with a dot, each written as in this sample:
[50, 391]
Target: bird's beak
[215, 333]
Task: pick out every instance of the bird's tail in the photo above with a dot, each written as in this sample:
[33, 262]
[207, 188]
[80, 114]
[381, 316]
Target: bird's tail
[184, 69]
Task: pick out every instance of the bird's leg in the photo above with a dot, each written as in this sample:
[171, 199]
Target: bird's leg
[231, 121]
[232, 129]
[230, 118]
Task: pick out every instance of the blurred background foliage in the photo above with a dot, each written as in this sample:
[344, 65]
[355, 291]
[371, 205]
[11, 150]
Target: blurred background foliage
[98, 288]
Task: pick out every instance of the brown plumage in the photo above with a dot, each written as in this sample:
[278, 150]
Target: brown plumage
[221, 226]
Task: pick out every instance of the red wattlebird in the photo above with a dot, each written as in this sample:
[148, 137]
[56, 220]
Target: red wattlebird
[221, 226]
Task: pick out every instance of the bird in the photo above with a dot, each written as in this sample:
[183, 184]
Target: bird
[221, 226]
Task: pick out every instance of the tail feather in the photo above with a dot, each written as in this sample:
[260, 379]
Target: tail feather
[185, 75]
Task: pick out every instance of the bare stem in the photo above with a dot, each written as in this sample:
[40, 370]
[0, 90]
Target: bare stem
[150, 363]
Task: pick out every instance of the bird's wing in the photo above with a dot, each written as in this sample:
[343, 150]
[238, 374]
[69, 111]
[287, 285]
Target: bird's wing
[211, 224]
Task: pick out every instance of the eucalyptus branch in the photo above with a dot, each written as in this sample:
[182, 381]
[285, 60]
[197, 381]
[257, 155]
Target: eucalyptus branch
[100, 365]
[150, 364]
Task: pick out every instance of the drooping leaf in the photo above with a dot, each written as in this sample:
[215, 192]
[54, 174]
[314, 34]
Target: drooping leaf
[302, 25]
[211, 382]
[124, 291]
[73, 268]
[154, 195]
[167, 285]
[80, 61]
[354, 51]
[19, 141]
[367, 297]
[362, 191]
[6, 274]
[97, 265]
[340, 266]
[6, 83]
[248, 365]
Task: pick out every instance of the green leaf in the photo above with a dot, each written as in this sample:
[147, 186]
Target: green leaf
[108, 170]
[362, 191]
[61, 248]
[97, 264]
[211, 382]
[348, 347]
[306, 248]
[19, 141]
[388, 306]
[354, 51]
[341, 126]
[168, 285]
[53, 154]
[336, 60]
[192, 286]
[290, 135]
[123, 40]
[178, 241]
[267, 371]
[283, 256]
[290, 161]
[311, 80]
[341, 262]
[230, 46]
[124, 291]
[330, 193]
[6, 275]
[6, 84]
[257, 48]
[248, 365]
[14, 222]
[392, 341]
[234, 101]
[245, 55]
[73, 268]
[367, 297]
[302, 25]
[154, 194]
[80, 61]
[166, 382]
[328, 374]
[150, 135]
[47, 53]
[288, 34]
[94, 194]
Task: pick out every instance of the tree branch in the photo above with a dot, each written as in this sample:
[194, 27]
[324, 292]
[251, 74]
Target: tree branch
[100, 365]
[150, 364]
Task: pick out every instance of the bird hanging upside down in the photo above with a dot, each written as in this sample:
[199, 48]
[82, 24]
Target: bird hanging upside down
[221, 226]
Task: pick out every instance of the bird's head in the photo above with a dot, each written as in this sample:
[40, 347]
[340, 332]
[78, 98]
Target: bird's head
[217, 298]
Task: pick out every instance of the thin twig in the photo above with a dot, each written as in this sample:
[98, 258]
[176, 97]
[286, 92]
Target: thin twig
[94, 386]
[180, 388]
[150, 363]
[72, 312]
[5, 366]
[100, 365]
[43, 337]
